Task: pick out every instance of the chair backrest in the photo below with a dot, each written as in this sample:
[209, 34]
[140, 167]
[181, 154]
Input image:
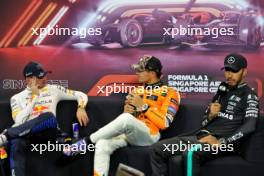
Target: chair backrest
[101, 110]
[187, 119]
[252, 147]
[5, 115]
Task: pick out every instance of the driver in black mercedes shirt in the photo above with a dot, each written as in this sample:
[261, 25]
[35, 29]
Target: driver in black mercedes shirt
[231, 116]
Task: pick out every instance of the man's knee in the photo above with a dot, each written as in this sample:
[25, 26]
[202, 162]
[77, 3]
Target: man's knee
[47, 115]
[127, 119]
[103, 146]
[157, 148]
[170, 146]
[46, 121]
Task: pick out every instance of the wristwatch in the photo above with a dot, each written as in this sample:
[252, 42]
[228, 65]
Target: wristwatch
[144, 108]
[222, 141]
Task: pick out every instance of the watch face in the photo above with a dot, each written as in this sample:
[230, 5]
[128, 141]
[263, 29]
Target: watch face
[222, 141]
[145, 107]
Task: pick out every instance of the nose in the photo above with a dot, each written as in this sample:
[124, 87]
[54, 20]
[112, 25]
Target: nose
[228, 74]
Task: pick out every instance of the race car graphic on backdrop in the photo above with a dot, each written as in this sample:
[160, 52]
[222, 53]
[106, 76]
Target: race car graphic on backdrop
[177, 22]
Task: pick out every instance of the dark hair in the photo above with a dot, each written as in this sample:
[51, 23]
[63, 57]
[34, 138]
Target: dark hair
[155, 65]
[158, 74]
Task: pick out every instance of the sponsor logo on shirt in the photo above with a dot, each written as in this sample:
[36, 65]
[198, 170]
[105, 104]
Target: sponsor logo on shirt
[225, 115]
[152, 97]
[172, 110]
[174, 101]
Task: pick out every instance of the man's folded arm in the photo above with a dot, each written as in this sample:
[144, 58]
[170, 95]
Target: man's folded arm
[67, 94]
[19, 114]
[250, 121]
[162, 117]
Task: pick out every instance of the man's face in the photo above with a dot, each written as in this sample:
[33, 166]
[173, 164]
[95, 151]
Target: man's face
[144, 76]
[234, 78]
[40, 82]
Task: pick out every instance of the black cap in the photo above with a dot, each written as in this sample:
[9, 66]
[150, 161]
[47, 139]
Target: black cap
[235, 62]
[149, 63]
[34, 69]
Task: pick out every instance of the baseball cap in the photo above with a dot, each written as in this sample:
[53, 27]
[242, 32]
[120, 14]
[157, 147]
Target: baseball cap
[235, 62]
[34, 69]
[149, 63]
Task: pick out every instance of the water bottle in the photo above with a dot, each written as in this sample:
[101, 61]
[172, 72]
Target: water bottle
[75, 130]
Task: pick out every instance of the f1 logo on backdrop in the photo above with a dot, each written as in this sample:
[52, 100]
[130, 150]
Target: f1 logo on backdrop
[111, 84]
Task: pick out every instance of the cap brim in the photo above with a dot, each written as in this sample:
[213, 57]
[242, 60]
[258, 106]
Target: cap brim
[45, 74]
[235, 69]
[136, 67]
[28, 75]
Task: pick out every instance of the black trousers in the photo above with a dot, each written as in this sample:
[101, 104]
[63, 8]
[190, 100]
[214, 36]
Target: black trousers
[20, 136]
[194, 154]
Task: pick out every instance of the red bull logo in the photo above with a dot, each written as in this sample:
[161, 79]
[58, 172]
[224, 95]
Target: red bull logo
[39, 110]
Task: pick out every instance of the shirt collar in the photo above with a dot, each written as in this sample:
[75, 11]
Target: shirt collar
[242, 85]
[154, 85]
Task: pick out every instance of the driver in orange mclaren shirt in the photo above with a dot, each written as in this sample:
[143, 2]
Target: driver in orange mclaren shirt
[148, 109]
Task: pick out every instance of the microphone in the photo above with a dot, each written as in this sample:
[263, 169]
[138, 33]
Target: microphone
[222, 90]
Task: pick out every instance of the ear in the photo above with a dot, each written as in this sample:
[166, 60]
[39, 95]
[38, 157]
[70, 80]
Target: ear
[245, 72]
[27, 80]
[153, 74]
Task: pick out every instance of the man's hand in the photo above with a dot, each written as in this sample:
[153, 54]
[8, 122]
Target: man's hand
[214, 110]
[129, 109]
[210, 140]
[82, 117]
[34, 87]
[135, 100]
